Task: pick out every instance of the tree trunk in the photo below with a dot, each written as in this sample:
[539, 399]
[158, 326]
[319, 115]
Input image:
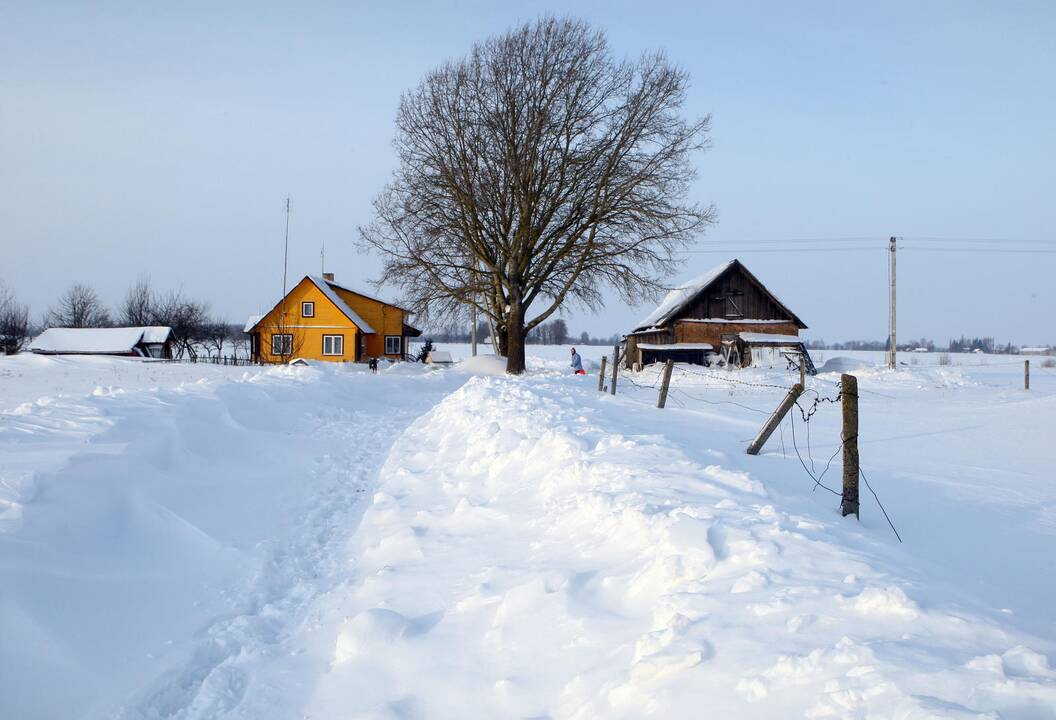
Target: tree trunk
[515, 341]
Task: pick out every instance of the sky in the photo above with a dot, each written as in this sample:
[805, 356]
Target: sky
[161, 140]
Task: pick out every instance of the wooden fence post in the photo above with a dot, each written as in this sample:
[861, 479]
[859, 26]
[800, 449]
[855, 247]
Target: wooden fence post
[775, 419]
[601, 376]
[1026, 374]
[849, 436]
[615, 366]
[662, 400]
[802, 371]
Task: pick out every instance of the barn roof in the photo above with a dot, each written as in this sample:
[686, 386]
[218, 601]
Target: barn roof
[97, 341]
[684, 294]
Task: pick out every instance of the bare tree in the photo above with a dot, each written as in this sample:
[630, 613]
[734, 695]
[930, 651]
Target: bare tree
[138, 307]
[187, 318]
[538, 169]
[215, 334]
[14, 322]
[79, 307]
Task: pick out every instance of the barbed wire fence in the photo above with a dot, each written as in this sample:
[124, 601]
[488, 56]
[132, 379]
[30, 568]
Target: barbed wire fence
[807, 401]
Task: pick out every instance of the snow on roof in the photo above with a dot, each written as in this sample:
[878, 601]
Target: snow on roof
[326, 288]
[772, 338]
[676, 346]
[683, 294]
[156, 334]
[357, 291]
[97, 340]
[251, 322]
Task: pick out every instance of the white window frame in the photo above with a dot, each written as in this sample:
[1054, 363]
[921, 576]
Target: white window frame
[308, 306]
[287, 344]
[399, 344]
[340, 345]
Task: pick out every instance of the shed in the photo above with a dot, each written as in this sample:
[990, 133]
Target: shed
[151, 342]
[724, 316]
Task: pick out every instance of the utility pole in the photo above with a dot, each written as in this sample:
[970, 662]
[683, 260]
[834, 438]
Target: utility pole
[891, 356]
[285, 251]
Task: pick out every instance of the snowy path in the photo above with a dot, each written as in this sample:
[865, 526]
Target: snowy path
[166, 539]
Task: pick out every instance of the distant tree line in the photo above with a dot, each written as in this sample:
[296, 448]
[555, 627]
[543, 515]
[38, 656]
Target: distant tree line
[195, 331]
[962, 344]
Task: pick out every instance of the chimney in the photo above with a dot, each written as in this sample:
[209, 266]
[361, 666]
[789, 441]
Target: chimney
[329, 277]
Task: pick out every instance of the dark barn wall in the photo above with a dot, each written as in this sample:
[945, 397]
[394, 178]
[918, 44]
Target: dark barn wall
[734, 296]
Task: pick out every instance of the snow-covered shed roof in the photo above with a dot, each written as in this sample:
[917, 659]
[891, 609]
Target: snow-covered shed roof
[675, 346]
[97, 341]
[769, 339]
[685, 293]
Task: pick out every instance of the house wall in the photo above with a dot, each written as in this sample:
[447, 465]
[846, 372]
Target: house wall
[694, 332]
[307, 332]
[383, 318]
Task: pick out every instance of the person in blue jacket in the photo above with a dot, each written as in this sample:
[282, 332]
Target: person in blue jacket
[577, 363]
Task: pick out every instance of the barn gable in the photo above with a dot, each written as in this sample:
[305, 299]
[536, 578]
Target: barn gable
[727, 293]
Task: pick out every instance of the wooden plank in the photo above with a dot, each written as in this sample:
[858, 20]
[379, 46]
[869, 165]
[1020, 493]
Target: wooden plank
[775, 419]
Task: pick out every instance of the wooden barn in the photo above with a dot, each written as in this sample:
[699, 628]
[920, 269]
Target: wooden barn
[725, 317]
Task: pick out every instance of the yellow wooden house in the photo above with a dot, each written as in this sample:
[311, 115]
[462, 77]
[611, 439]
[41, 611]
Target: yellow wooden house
[320, 319]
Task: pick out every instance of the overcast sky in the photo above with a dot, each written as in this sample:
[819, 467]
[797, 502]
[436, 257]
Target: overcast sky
[162, 138]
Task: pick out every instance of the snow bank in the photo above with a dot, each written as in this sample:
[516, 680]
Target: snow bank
[525, 557]
[844, 365]
[483, 365]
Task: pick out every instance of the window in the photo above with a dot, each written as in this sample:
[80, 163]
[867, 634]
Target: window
[307, 309]
[282, 344]
[333, 344]
[393, 344]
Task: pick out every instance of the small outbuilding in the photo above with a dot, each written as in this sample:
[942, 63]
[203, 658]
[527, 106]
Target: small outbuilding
[149, 342]
[725, 316]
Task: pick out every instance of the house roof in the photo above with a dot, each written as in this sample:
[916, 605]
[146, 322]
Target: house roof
[685, 293]
[357, 291]
[327, 289]
[97, 341]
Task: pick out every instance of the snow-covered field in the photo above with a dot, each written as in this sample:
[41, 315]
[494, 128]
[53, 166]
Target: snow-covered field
[194, 541]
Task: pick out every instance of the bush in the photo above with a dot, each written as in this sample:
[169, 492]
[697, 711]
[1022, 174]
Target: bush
[944, 358]
[1048, 363]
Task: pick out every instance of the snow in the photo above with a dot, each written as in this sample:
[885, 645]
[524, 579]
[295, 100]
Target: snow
[96, 340]
[676, 346]
[251, 322]
[483, 365]
[332, 296]
[196, 541]
[750, 337]
[844, 365]
[682, 294]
